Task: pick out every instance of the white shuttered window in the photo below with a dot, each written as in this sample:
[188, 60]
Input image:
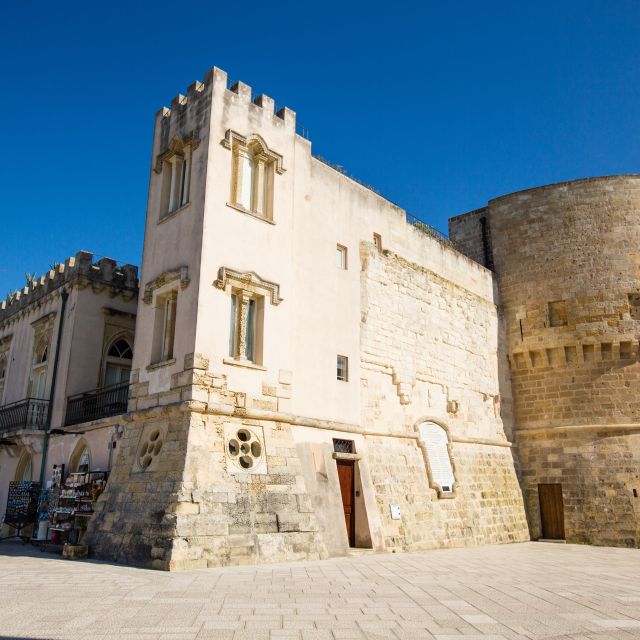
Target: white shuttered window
[435, 440]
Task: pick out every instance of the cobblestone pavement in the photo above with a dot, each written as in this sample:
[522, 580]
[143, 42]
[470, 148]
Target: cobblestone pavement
[533, 591]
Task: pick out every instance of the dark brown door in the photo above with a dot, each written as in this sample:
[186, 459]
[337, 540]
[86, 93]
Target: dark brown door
[345, 475]
[551, 511]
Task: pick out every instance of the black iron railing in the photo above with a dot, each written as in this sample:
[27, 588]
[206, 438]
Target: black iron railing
[96, 404]
[30, 413]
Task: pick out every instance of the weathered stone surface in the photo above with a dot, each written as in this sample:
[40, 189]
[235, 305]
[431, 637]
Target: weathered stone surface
[566, 259]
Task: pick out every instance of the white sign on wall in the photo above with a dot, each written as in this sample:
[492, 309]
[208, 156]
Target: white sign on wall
[395, 511]
[435, 441]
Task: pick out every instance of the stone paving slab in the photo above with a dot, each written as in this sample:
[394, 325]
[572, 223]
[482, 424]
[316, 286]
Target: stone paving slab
[529, 591]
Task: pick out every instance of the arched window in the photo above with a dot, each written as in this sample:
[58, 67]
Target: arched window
[121, 349]
[253, 169]
[80, 461]
[436, 444]
[118, 362]
[24, 468]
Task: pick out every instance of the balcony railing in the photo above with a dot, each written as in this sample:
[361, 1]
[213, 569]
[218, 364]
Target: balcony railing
[96, 404]
[29, 414]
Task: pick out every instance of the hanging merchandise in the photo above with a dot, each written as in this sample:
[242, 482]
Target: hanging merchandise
[74, 506]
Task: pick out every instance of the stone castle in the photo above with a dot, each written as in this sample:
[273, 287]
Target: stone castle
[314, 371]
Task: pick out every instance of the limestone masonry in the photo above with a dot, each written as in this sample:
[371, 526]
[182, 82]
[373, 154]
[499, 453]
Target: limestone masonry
[314, 371]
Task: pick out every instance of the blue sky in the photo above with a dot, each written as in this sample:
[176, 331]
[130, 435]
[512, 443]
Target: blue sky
[439, 105]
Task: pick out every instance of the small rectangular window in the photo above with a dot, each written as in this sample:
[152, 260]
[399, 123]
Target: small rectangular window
[343, 368]
[343, 446]
[377, 241]
[606, 351]
[341, 256]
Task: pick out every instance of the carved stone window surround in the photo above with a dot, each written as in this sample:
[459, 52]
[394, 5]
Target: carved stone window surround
[257, 216]
[247, 364]
[246, 287]
[177, 144]
[248, 281]
[233, 136]
[160, 365]
[180, 274]
[173, 214]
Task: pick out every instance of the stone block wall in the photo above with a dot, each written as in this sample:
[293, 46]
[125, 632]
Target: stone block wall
[487, 507]
[430, 352]
[567, 265]
[599, 473]
[177, 499]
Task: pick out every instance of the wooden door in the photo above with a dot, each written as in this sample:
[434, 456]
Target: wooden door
[551, 511]
[346, 477]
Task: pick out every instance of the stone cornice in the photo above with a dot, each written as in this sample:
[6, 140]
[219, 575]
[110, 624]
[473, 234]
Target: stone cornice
[216, 408]
[179, 274]
[248, 281]
[246, 141]
[176, 145]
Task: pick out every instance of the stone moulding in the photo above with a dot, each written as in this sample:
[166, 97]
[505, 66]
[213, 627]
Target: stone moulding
[230, 136]
[176, 145]
[180, 274]
[215, 408]
[248, 281]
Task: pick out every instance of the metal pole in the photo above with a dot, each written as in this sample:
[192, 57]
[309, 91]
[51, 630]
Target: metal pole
[47, 425]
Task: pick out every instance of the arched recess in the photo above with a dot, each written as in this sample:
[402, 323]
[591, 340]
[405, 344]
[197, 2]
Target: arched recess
[24, 470]
[80, 460]
[435, 441]
[117, 360]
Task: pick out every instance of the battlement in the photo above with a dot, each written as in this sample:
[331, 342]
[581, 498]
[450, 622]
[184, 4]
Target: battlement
[243, 92]
[78, 270]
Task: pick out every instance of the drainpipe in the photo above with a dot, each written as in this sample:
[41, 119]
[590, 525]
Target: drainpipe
[47, 424]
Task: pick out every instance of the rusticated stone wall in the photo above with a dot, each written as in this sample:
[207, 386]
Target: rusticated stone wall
[600, 475]
[430, 352]
[177, 499]
[567, 262]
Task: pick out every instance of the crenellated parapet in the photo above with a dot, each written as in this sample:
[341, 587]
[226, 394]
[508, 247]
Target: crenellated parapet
[186, 115]
[81, 270]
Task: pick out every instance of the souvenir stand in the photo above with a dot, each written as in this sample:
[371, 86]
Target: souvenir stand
[73, 506]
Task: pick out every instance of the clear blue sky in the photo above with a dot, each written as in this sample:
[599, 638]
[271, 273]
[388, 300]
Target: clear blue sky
[439, 105]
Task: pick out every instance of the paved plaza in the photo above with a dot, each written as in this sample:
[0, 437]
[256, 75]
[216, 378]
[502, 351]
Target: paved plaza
[533, 590]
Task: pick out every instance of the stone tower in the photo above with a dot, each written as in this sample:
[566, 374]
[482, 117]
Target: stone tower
[312, 370]
[567, 261]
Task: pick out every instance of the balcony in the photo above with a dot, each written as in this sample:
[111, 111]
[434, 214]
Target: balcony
[29, 414]
[96, 404]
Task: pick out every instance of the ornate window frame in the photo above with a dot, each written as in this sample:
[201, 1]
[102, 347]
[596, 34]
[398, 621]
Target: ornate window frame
[174, 165]
[247, 286]
[254, 166]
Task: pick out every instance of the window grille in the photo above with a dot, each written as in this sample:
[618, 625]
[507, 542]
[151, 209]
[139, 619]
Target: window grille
[343, 446]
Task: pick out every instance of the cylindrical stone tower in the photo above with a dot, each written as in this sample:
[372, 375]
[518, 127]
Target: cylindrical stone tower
[567, 261]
